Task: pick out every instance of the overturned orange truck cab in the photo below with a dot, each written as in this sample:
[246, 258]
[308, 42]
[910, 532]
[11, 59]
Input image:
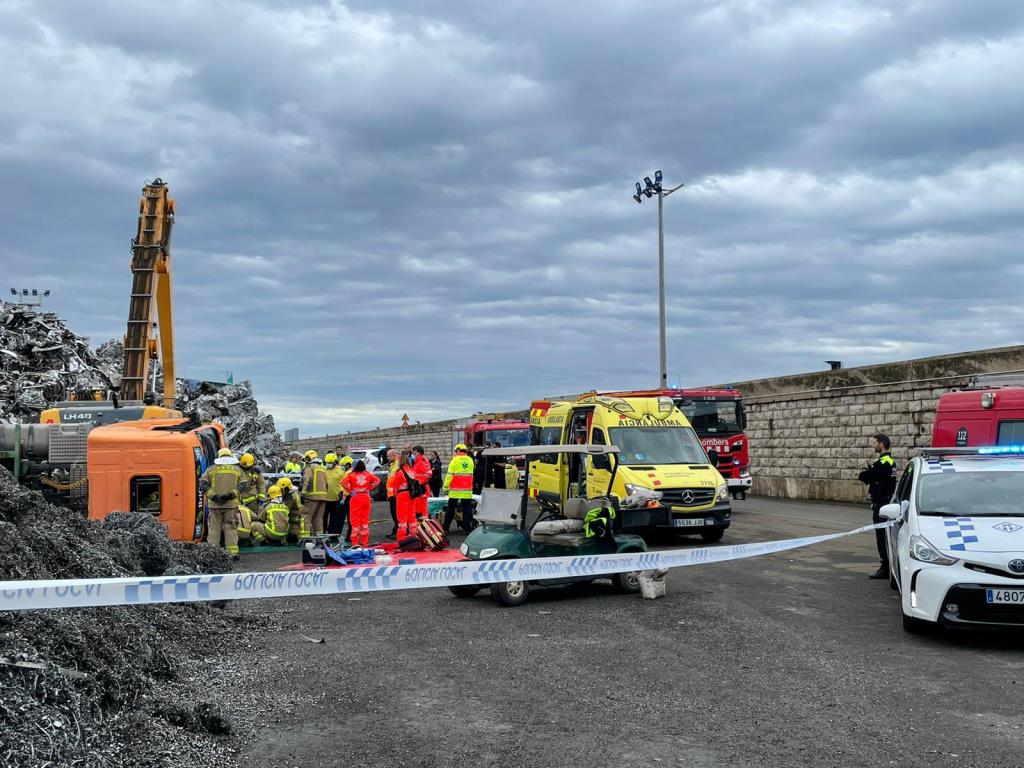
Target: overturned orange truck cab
[152, 466]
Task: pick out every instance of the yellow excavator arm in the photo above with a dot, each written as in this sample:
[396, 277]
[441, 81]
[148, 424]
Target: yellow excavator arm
[151, 287]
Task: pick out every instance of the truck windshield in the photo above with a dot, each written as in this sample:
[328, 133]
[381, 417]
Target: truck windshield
[657, 445]
[509, 438]
[713, 417]
[971, 493]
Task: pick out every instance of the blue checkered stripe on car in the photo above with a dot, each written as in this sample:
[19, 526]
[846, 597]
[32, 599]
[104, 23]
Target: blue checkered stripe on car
[960, 533]
[944, 465]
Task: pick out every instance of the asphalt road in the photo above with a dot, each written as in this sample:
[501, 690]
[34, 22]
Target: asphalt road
[794, 659]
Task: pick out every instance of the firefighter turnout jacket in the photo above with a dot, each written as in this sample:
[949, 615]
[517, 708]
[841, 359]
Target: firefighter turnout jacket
[223, 485]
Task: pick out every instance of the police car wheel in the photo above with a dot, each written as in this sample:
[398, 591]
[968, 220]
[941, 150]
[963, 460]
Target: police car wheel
[713, 535]
[916, 626]
[464, 590]
[627, 582]
[511, 593]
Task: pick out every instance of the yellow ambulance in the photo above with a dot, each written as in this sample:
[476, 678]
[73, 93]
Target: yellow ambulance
[663, 479]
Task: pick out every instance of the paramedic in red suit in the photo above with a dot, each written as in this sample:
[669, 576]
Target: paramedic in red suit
[399, 489]
[360, 484]
[421, 472]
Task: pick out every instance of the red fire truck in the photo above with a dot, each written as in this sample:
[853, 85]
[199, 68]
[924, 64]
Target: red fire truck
[718, 418]
[490, 428]
[989, 412]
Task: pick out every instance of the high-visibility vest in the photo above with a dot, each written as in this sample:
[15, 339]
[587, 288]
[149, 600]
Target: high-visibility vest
[276, 525]
[257, 490]
[223, 480]
[334, 476]
[459, 479]
[244, 521]
[603, 515]
[314, 483]
[292, 467]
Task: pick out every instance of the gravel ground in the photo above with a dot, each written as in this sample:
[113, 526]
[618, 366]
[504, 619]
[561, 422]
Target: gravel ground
[788, 660]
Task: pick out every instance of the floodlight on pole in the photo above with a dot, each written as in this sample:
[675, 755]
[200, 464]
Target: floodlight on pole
[29, 297]
[652, 188]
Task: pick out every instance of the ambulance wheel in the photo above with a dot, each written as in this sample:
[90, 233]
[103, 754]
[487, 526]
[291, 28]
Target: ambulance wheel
[712, 535]
[628, 582]
[511, 593]
[464, 590]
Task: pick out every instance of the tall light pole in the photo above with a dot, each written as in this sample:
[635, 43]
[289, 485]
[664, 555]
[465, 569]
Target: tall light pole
[650, 189]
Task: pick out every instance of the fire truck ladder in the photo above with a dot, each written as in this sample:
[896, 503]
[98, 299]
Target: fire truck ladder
[151, 279]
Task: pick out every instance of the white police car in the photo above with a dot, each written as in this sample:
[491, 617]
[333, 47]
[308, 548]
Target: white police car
[956, 551]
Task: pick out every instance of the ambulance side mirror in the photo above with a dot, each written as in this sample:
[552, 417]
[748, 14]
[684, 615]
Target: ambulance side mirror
[601, 461]
[712, 457]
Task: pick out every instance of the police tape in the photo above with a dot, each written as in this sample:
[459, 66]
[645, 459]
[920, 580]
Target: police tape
[88, 593]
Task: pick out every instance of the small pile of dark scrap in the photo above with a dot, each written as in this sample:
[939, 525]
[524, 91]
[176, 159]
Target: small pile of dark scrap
[117, 686]
[41, 360]
[246, 429]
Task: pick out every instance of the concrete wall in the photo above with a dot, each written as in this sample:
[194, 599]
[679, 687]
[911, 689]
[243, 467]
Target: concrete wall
[433, 436]
[808, 432]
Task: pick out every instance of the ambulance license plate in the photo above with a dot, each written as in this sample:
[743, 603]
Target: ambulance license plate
[688, 522]
[1011, 596]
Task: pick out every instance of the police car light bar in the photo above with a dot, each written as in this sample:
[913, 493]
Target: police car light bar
[980, 450]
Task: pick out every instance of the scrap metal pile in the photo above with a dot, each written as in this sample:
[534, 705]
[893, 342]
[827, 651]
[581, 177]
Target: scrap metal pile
[41, 360]
[247, 429]
[119, 686]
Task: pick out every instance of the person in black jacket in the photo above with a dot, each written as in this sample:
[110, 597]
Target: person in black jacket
[880, 478]
[436, 474]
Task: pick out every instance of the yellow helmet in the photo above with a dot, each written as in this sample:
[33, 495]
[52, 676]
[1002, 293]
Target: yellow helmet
[247, 460]
[284, 482]
[274, 492]
[310, 455]
[346, 460]
[331, 458]
[224, 453]
[461, 447]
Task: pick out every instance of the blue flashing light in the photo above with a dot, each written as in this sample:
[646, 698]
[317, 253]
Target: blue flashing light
[997, 450]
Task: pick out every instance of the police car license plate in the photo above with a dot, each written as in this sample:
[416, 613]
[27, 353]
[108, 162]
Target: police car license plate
[1011, 596]
[688, 522]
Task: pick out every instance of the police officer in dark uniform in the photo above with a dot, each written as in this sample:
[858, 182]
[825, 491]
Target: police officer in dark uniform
[880, 478]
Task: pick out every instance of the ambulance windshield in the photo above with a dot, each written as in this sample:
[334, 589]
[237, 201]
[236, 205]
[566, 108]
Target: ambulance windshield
[657, 445]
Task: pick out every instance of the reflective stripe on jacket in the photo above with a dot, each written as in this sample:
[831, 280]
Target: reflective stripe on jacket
[222, 480]
[359, 482]
[257, 486]
[314, 483]
[458, 482]
[277, 520]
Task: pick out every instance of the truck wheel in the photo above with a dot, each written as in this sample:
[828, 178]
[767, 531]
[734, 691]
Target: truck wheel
[627, 582]
[464, 590]
[713, 535]
[511, 593]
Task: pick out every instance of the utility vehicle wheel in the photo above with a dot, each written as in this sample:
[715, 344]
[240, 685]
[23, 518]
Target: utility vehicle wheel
[511, 593]
[715, 534]
[464, 590]
[627, 582]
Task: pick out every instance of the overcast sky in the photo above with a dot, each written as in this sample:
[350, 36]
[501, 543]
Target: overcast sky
[425, 207]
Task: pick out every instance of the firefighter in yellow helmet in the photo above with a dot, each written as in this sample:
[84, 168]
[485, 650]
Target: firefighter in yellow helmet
[273, 529]
[314, 497]
[291, 499]
[257, 493]
[224, 483]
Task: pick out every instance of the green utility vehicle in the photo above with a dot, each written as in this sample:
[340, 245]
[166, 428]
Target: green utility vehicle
[513, 525]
